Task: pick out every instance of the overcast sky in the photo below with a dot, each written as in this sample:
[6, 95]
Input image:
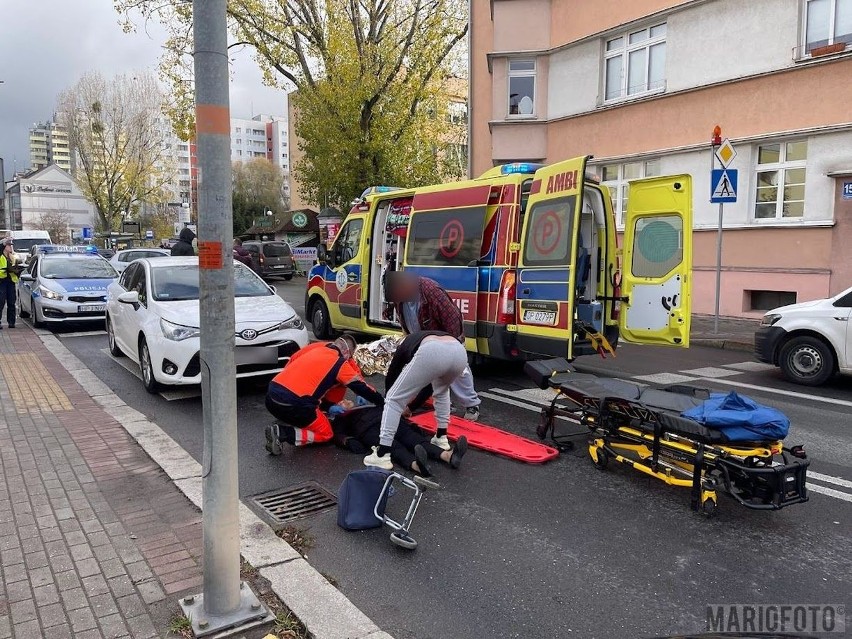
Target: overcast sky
[46, 45]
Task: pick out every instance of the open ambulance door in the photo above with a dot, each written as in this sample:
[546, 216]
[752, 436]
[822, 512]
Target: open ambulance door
[657, 262]
[546, 287]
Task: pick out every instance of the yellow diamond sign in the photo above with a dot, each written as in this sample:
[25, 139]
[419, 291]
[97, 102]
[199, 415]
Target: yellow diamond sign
[726, 153]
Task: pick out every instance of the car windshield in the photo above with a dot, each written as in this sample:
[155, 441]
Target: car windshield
[176, 283]
[77, 268]
[276, 250]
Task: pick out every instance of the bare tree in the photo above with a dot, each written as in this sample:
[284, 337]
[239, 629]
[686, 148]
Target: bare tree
[118, 130]
[56, 222]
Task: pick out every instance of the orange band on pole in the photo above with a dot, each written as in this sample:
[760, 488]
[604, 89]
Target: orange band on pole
[212, 118]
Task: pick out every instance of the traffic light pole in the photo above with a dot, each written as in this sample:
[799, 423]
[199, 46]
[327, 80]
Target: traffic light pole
[225, 604]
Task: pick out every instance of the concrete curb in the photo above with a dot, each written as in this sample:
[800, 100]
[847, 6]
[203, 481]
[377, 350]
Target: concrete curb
[322, 608]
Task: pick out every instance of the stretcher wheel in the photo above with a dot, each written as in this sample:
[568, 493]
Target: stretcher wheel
[602, 459]
[708, 507]
[403, 540]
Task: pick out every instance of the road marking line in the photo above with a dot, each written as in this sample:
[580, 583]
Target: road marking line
[750, 367]
[830, 479]
[829, 491]
[169, 395]
[710, 372]
[512, 402]
[665, 378]
[787, 393]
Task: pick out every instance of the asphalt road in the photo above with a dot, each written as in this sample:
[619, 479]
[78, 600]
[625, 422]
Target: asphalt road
[515, 550]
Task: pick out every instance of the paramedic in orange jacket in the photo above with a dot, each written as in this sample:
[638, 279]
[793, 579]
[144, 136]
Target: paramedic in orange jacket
[316, 378]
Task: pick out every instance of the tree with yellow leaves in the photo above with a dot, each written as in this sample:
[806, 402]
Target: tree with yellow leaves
[371, 81]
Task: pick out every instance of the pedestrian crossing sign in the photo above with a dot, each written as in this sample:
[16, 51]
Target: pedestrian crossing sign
[723, 186]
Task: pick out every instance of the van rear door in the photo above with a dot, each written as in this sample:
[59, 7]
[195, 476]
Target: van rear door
[657, 262]
[545, 288]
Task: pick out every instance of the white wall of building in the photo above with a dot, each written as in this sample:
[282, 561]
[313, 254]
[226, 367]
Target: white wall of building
[53, 190]
[729, 39]
[709, 43]
[826, 153]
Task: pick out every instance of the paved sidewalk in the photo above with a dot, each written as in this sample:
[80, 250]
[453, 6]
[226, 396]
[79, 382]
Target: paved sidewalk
[734, 333]
[95, 540]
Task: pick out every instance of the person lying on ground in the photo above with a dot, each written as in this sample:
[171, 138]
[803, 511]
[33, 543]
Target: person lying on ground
[422, 359]
[357, 430]
[315, 378]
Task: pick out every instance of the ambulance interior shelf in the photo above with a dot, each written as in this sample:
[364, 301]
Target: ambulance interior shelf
[589, 246]
[389, 234]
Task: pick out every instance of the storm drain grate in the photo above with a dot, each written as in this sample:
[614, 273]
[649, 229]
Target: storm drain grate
[303, 500]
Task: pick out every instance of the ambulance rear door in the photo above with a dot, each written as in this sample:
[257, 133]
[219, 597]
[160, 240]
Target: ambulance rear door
[657, 262]
[545, 287]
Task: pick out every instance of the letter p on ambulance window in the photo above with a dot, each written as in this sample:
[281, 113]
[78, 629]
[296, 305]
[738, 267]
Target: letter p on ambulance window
[549, 231]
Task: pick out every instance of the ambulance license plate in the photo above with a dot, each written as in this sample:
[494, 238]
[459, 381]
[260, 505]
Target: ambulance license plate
[91, 308]
[542, 318]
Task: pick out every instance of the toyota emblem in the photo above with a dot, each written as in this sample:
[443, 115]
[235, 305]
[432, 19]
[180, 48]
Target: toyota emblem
[248, 334]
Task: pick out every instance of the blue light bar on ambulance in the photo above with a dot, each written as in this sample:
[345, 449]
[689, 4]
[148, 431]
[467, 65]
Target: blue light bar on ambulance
[520, 167]
[378, 189]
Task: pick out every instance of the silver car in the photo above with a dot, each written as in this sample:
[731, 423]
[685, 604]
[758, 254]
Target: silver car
[122, 259]
[62, 287]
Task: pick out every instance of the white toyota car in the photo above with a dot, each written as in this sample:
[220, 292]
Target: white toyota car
[153, 314]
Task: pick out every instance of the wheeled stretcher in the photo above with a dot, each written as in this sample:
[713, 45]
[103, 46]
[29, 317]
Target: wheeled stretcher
[642, 428]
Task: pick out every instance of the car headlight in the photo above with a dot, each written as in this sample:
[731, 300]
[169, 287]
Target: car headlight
[49, 294]
[294, 323]
[178, 333]
[770, 319]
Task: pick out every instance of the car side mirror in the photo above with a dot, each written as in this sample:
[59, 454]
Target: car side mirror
[27, 277]
[322, 253]
[272, 288]
[129, 297]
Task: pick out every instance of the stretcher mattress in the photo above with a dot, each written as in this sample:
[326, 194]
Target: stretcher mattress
[625, 397]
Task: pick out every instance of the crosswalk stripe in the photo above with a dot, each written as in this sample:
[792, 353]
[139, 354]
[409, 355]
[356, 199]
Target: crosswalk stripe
[829, 492]
[830, 479]
[786, 393]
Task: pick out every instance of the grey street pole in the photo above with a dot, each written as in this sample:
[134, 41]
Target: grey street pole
[224, 603]
[718, 269]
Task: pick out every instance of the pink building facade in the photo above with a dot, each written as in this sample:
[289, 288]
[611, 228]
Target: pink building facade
[640, 85]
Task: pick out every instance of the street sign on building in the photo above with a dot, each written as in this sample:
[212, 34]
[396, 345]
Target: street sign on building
[847, 190]
[726, 153]
[723, 186]
[149, 234]
[87, 233]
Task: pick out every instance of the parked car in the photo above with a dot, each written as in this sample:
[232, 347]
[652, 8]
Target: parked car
[809, 341]
[271, 259]
[64, 286]
[122, 259]
[153, 318]
[106, 253]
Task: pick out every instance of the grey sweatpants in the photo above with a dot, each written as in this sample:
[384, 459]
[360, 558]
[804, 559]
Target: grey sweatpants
[438, 362]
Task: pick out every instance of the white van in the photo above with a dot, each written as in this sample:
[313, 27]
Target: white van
[26, 240]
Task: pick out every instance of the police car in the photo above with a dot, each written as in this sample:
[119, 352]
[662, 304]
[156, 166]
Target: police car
[64, 284]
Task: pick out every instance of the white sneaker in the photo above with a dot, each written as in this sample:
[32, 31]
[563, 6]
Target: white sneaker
[441, 442]
[472, 414]
[379, 461]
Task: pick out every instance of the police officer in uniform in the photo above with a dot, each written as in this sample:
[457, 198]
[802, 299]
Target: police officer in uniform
[9, 272]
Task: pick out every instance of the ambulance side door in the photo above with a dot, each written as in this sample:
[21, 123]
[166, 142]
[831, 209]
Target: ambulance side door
[344, 289]
[545, 288]
[657, 262]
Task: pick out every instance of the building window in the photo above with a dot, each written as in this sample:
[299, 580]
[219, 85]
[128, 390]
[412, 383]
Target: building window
[522, 87]
[239, 130]
[827, 22]
[457, 113]
[781, 180]
[617, 177]
[239, 141]
[767, 300]
[635, 63]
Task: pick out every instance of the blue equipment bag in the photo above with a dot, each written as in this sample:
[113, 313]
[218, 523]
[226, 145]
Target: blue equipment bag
[357, 499]
[740, 418]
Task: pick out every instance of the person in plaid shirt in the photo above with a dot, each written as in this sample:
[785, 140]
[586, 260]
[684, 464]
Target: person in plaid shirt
[422, 305]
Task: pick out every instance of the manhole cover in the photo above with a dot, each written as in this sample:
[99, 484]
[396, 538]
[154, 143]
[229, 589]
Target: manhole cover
[296, 502]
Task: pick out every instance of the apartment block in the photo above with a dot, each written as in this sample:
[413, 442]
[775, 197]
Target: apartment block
[263, 136]
[640, 85]
[49, 145]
